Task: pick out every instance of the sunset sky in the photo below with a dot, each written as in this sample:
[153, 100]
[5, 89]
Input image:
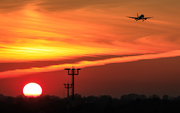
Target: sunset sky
[117, 55]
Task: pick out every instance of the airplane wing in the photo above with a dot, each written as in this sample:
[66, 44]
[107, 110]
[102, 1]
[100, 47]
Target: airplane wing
[147, 17]
[131, 17]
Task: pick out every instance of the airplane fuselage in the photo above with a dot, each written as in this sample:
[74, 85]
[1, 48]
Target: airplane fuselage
[140, 17]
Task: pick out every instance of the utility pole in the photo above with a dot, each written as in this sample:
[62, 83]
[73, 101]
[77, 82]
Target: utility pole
[67, 94]
[73, 72]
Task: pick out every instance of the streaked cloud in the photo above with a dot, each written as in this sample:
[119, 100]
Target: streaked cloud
[83, 64]
[6, 66]
[7, 6]
[52, 30]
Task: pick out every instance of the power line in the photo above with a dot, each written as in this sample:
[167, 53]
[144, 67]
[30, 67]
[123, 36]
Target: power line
[73, 72]
[67, 93]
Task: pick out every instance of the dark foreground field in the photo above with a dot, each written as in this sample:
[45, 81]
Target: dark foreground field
[91, 104]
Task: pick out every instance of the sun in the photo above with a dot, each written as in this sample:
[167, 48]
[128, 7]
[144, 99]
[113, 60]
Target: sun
[32, 90]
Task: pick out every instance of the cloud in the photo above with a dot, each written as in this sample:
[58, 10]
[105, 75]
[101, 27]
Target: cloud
[34, 36]
[80, 29]
[13, 5]
[62, 5]
[7, 66]
[83, 64]
[56, 5]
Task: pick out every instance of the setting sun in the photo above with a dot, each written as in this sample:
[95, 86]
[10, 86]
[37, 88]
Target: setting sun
[32, 90]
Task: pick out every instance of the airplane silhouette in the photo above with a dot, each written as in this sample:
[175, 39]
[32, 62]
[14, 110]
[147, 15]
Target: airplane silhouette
[141, 17]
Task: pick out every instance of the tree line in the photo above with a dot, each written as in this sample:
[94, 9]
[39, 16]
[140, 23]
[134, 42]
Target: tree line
[92, 104]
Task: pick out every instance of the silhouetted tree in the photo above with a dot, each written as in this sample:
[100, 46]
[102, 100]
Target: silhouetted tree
[165, 97]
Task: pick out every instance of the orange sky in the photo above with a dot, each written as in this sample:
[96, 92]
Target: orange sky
[42, 36]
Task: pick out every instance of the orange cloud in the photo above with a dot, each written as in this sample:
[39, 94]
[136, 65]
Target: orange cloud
[38, 31]
[83, 64]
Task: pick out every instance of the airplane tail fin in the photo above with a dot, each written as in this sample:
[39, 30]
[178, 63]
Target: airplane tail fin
[137, 14]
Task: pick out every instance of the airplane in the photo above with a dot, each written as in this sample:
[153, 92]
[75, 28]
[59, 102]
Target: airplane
[140, 17]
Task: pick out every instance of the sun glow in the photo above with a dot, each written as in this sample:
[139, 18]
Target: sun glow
[32, 90]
